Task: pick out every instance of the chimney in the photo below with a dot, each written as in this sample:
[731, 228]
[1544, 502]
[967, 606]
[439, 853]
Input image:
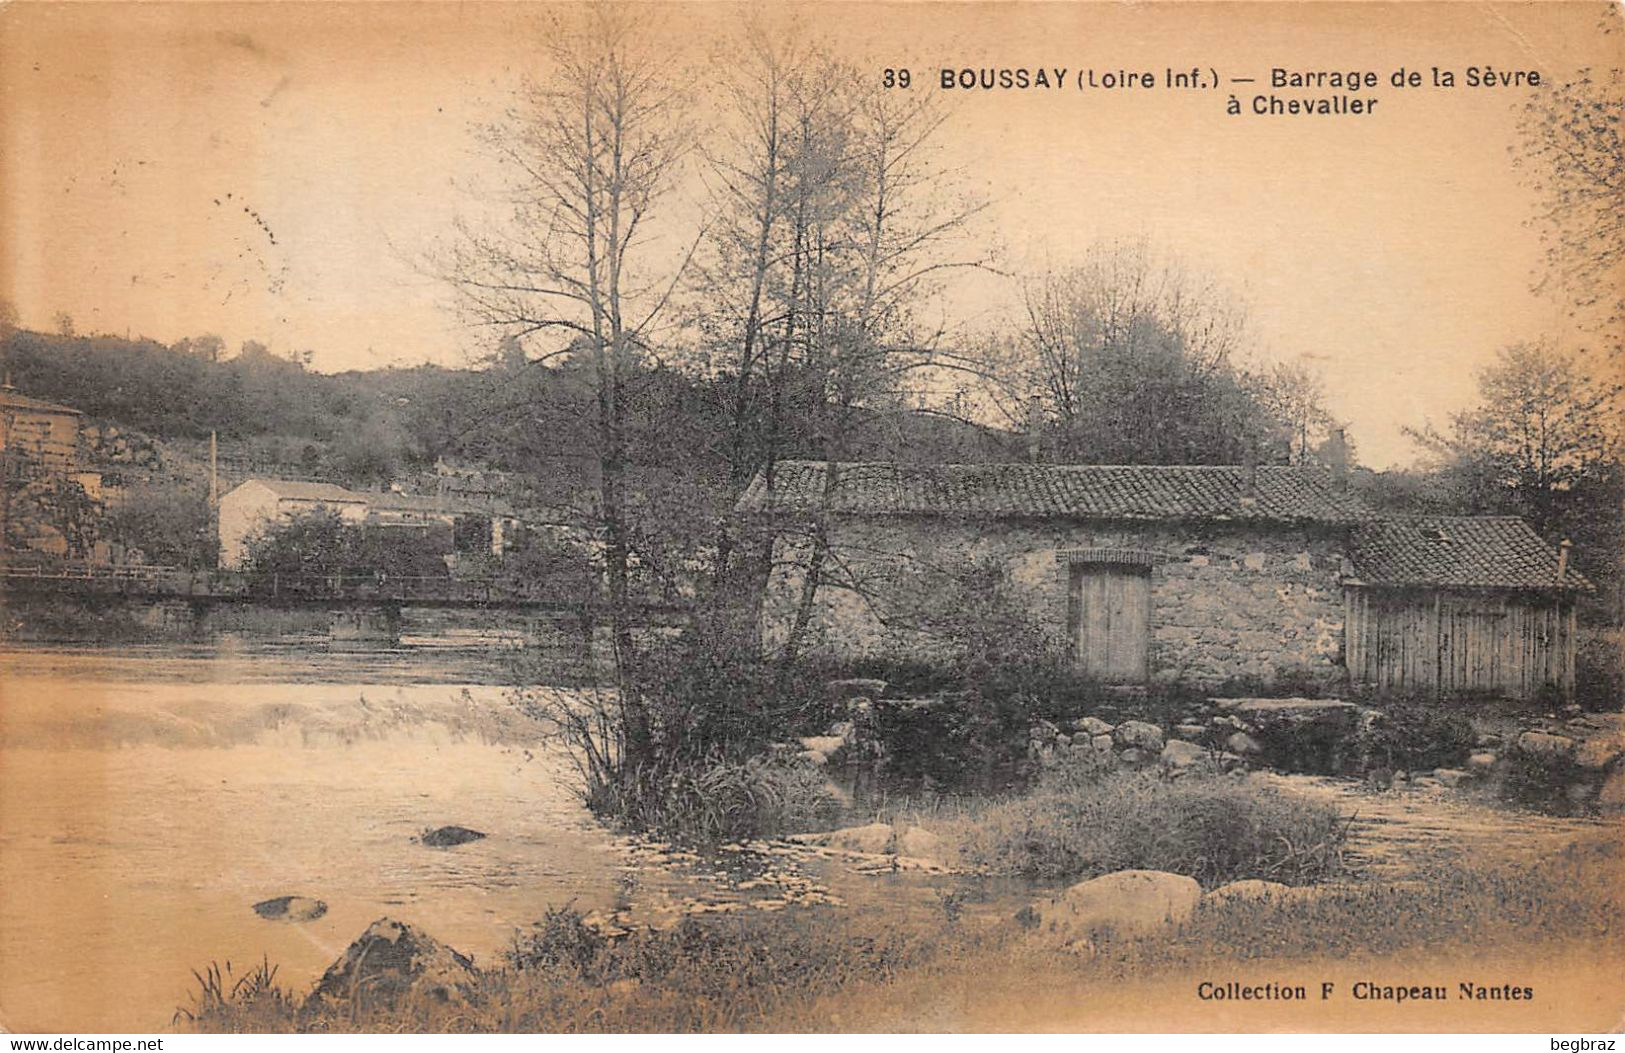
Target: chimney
[1337, 456]
[1563, 560]
[1035, 428]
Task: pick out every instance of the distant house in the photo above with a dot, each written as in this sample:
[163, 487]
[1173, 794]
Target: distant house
[249, 508]
[40, 451]
[45, 430]
[1194, 573]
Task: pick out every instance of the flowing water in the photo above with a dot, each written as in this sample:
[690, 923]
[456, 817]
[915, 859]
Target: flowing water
[149, 797]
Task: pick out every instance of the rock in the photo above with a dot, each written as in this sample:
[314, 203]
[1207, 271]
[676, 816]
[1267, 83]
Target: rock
[450, 836]
[1178, 755]
[1063, 739]
[874, 839]
[1250, 891]
[1541, 744]
[393, 963]
[919, 843]
[1139, 735]
[825, 744]
[1132, 757]
[1043, 731]
[1191, 731]
[1450, 776]
[1127, 903]
[858, 687]
[1244, 744]
[290, 908]
[1611, 798]
[1231, 762]
[1597, 754]
[1488, 740]
[1101, 743]
[1092, 726]
[1261, 712]
[1481, 763]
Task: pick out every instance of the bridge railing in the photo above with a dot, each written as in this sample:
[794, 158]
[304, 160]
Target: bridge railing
[159, 581]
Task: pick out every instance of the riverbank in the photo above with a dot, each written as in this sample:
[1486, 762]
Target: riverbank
[1537, 946]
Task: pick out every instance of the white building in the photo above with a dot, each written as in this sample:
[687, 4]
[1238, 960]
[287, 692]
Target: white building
[257, 503]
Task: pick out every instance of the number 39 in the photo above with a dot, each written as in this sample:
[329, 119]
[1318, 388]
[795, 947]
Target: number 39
[895, 78]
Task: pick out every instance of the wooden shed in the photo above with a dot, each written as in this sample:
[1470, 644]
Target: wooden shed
[1448, 604]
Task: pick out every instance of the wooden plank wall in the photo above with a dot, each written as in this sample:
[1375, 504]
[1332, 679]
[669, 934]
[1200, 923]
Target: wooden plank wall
[1443, 642]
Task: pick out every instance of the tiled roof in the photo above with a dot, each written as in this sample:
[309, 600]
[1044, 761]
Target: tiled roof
[1061, 491]
[16, 400]
[299, 490]
[1501, 552]
[390, 500]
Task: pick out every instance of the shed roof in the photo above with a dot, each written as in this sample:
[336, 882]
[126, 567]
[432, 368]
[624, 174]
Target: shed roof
[1061, 491]
[1497, 552]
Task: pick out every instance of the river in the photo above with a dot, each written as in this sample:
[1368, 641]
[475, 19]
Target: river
[150, 796]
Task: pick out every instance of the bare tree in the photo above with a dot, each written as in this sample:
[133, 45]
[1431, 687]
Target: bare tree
[1128, 357]
[592, 147]
[1293, 394]
[1573, 156]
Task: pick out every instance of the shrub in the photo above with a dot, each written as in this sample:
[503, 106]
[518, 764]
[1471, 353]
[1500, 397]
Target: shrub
[725, 800]
[1418, 734]
[1083, 821]
[1599, 684]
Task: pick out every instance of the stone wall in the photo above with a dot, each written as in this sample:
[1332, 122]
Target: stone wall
[1227, 600]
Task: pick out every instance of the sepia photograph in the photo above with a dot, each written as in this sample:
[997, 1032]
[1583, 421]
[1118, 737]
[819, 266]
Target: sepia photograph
[812, 517]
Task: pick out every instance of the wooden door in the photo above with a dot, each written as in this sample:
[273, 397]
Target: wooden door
[1111, 609]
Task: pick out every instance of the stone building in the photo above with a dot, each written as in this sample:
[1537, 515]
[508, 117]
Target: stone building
[1192, 573]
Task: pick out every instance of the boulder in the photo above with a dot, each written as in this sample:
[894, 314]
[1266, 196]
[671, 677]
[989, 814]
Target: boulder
[393, 963]
[1133, 757]
[1101, 743]
[290, 908]
[1250, 891]
[918, 843]
[1611, 797]
[825, 744]
[874, 839]
[858, 687]
[1179, 755]
[1127, 903]
[1244, 744]
[1541, 744]
[1092, 726]
[449, 836]
[1599, 753]
[1481, 763]
[1191, 731]
[1273, 712]
[1137, 734]
[1450, 776]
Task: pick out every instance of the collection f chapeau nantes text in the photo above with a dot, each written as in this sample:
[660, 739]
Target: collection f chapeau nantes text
[1283, 93]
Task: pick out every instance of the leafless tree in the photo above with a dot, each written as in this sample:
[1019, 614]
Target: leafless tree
[591, 147]
[1572, 154]
[1127, 356]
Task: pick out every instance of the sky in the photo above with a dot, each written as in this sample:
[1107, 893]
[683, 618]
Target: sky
[281, 172]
